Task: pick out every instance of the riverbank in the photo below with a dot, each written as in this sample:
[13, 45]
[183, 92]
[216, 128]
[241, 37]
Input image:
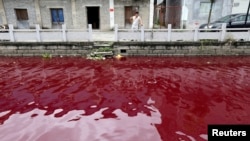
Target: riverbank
[128, 48]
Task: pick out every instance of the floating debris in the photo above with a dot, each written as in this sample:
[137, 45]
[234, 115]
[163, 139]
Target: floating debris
[119, 56]
[47, 55]
[152, 81]
[31, 103]
[101, 54]
[93, 106]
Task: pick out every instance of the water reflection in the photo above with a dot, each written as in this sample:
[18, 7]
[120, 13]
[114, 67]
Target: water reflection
[74, 127]
[134, 99]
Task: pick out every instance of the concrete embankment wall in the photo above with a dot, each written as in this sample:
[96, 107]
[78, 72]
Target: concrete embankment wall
[183, 48]
[38, 49]
[127, 48]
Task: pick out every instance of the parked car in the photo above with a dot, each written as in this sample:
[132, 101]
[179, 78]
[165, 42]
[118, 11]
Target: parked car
[232, 21]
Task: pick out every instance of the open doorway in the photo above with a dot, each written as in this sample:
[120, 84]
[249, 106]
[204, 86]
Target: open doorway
[128, 14]
[93, 17]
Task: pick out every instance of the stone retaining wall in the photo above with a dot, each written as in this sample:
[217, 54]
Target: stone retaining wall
[182, 48]
[38, 49]
[127, 48]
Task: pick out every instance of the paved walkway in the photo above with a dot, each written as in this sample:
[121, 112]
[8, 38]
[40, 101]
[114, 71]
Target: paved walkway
[103, 36]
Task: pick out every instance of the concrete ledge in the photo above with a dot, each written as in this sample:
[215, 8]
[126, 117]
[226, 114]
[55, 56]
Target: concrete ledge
[200, 48]
[39, 48]
[46, 43]
[166, 44]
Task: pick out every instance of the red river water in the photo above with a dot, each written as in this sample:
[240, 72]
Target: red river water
[132, 99]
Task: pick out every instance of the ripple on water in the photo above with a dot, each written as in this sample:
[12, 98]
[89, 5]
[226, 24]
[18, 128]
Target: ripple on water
[170, 98]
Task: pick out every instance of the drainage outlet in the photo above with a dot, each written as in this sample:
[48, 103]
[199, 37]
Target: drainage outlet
[123, 51]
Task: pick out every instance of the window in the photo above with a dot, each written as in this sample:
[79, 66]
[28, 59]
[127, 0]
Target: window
[237, 4]
[240, 18]
[57, 15]
[21, 14]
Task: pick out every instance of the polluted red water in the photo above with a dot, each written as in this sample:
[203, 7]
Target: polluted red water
[133, 99]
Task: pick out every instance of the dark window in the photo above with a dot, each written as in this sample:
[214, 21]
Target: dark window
[57, 15]
[21, 14]
[123, 51]
[240, 18]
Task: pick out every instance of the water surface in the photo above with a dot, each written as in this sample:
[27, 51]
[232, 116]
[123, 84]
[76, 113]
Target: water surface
[139, 98]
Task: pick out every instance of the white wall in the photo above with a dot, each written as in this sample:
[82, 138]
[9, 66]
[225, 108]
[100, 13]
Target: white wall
[197, 16]
[240, 6]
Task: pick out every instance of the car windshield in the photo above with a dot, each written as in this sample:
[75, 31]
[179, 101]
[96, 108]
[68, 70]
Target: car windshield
[226, 18]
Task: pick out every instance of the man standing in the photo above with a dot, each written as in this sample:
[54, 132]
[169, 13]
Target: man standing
[136, 21]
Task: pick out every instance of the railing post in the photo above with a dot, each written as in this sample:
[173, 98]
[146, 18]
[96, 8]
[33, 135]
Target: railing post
[64, 32]
[169, 32]
[142, 34]
[223, 32]
[196, 34]
[116, 32]
[248, 35]
[90, 32]
[11, 31]
[38, 37]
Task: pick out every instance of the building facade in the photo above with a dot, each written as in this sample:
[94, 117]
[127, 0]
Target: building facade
[159, 13]
[21, 14]
[126, 8]
[49, 14]
[3, 19]
[195, 12]
[240, 6]
[192, 13]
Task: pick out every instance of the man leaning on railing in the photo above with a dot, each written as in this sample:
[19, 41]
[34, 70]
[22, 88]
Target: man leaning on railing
[136, 21]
